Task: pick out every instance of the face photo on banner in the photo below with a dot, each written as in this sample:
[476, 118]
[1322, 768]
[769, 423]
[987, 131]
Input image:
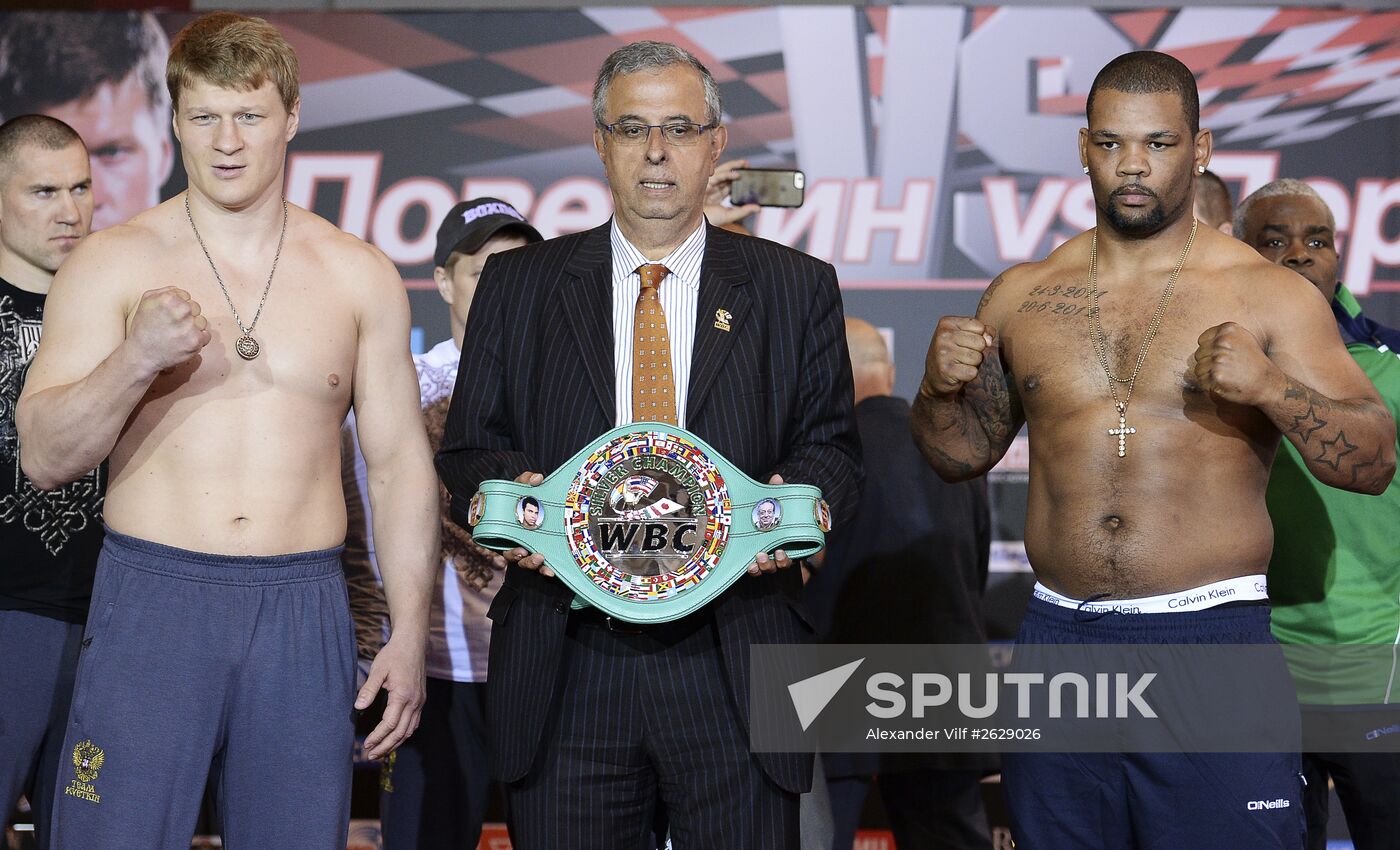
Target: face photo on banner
[103, 74]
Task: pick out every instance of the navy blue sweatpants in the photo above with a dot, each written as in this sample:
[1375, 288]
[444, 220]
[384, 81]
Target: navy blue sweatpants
[238, 671]
[38, 655]
[1152, 801]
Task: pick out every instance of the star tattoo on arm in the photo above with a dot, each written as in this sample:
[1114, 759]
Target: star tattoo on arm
[1304, 426]
[1357, 468]
[1334, 450]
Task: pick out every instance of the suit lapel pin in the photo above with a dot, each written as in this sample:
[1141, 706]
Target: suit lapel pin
[722, 317]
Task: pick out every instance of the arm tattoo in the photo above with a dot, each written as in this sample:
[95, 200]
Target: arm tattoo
[1365, 468]
[1305, 424]
[946, 463]
[990, 397]
[1317, 426]
[964, 434]
[988, 292]
[1334, 450]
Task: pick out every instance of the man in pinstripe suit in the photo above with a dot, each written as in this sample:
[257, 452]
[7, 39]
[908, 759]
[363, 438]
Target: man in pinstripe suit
[598, 724]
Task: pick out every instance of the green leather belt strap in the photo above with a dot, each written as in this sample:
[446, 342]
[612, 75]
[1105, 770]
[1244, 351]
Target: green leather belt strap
[649, 523]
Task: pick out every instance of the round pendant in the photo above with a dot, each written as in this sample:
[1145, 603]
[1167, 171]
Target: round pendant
[247, 347]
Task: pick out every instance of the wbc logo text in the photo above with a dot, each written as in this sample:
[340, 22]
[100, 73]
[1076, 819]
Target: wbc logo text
[649, 522]
[647, 516]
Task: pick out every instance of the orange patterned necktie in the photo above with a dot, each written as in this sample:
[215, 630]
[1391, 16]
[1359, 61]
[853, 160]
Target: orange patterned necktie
[653, 390]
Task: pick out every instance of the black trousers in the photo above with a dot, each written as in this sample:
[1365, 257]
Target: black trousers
[647, 722]
[1368, 784]
[928, 809]
[433, 793]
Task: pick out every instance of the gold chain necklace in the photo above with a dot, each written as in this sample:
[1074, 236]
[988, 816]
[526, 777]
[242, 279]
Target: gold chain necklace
[246, 346]
[1100, 341]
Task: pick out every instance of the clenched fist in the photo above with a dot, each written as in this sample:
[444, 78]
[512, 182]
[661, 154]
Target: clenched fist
[167, 328]
[960, 344]
[1232, 366]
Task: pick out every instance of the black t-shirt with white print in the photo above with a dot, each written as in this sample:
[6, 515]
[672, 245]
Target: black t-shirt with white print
[49, 542]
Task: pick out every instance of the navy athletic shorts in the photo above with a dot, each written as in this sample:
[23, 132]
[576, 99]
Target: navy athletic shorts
[1153, 801]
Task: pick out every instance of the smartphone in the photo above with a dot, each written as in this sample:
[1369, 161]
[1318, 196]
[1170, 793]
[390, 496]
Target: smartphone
[768, 187]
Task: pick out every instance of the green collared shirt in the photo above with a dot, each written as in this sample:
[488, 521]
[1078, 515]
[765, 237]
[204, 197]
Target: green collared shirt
[1335, 573]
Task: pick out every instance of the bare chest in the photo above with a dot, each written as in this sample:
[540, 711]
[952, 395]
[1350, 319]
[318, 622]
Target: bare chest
[303, 338]
[1063, 362]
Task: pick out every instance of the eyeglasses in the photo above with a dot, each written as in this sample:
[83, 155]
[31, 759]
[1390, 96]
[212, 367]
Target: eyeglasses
[674, 133]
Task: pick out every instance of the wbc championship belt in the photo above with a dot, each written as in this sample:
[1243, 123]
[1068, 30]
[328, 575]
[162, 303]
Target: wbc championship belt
[649, 523]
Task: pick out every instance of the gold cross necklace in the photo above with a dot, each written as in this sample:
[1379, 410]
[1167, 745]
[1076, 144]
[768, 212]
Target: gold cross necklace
[1100, 341]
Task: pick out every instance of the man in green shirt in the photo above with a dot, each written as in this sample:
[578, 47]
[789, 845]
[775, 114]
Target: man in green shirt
[1334, 578]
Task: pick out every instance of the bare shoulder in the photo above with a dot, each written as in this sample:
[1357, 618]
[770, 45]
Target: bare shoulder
[1070, 259]
[1272, 301]
[122, 258]
[1265, 287]
[1018, 282]
[361, 271]
[1004, 287]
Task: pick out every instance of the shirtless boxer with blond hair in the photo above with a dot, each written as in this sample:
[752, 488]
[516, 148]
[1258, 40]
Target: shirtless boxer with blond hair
[211, 347]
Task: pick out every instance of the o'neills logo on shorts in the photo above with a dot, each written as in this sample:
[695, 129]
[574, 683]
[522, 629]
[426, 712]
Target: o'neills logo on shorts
[88, 759]
[647, 516]
[1261, 805]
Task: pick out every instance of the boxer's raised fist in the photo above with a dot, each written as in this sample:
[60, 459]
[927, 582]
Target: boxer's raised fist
[1232, 366]
[960, 345]
[167, 328]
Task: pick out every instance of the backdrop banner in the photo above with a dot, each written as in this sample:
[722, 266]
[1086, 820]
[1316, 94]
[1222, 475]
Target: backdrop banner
[939, 143]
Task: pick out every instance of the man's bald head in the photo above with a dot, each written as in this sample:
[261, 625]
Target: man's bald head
[870, 360]
[40, 131]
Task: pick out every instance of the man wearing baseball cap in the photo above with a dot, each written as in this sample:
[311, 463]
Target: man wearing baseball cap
[434, 789]
[471, 232]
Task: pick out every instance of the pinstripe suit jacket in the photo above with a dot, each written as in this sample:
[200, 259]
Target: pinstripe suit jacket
[773, 394]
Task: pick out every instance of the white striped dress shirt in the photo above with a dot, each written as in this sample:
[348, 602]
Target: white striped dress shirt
[680, 295]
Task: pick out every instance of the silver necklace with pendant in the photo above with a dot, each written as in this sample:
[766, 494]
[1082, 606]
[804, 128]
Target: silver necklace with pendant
[246, 346]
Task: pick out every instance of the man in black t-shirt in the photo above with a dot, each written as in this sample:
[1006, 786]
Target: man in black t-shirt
[50, 540]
